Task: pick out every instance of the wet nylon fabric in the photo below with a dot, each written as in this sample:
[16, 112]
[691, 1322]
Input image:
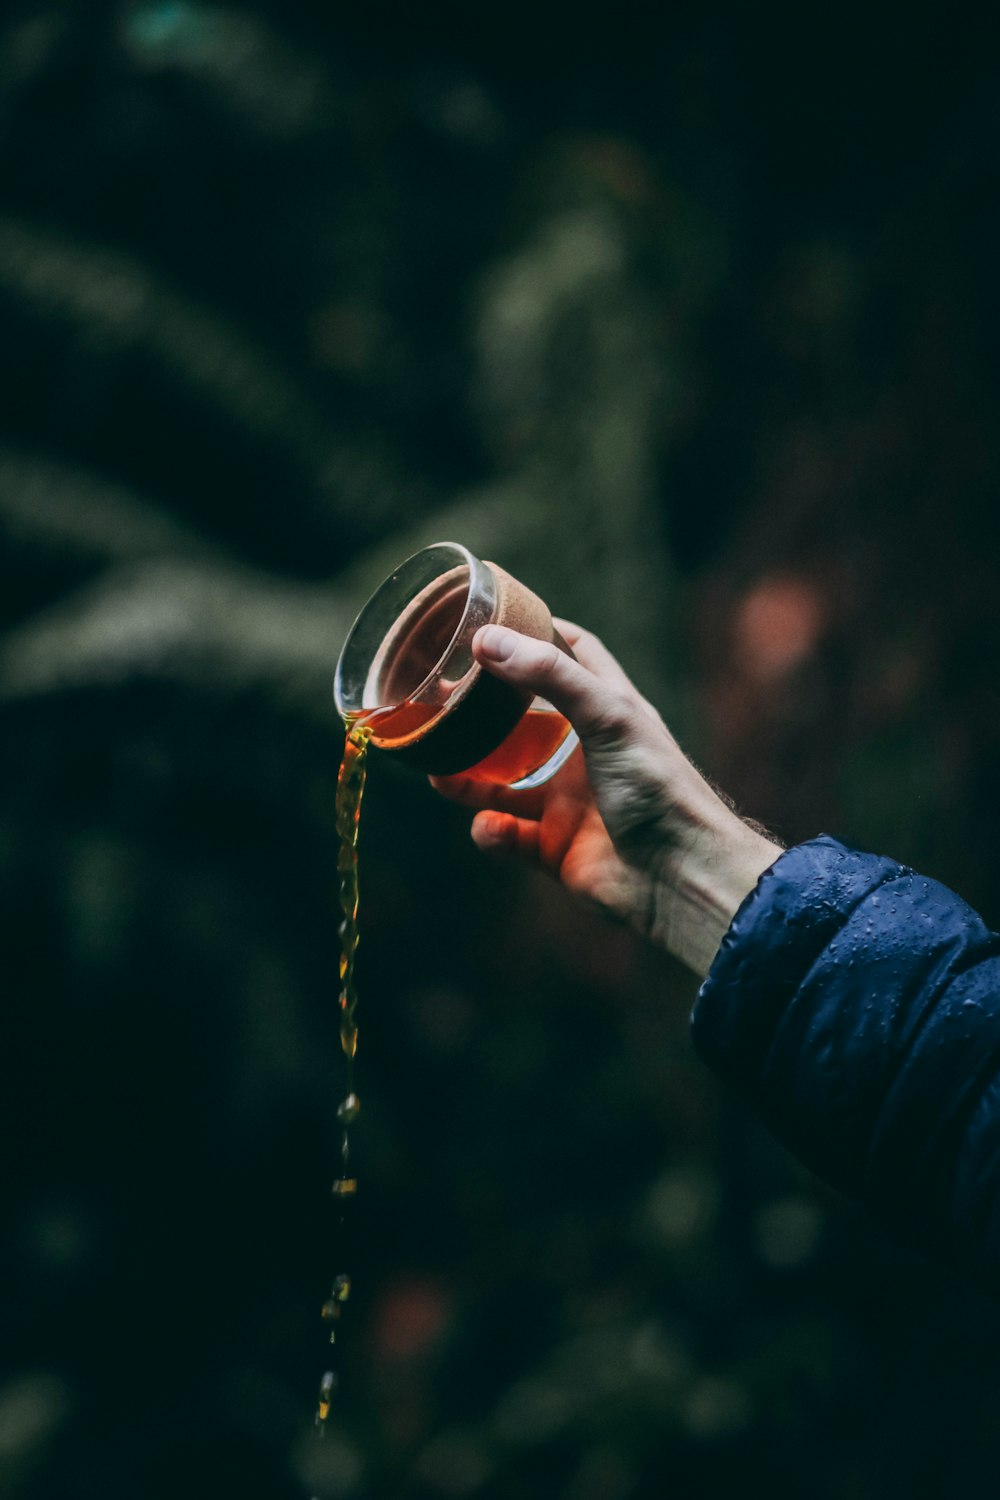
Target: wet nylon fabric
[857, 1004]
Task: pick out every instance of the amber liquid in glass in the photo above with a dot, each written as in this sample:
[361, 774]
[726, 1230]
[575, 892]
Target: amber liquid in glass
[531, 742]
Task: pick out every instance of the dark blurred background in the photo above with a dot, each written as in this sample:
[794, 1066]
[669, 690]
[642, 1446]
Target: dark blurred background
[686, 315]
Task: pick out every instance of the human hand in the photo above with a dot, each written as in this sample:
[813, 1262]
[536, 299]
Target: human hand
[628, 823]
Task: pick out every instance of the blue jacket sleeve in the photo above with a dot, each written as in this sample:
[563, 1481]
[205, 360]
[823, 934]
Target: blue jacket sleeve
[857, 1004]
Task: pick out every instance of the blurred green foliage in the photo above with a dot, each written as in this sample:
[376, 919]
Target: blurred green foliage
[685, 316]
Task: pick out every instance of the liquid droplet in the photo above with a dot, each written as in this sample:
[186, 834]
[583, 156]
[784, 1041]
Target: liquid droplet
[348, 1109]
[341, 1288]
[345, 1187]
[327, 1386]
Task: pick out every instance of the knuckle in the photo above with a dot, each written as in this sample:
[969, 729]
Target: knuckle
[614, 719]
[588, 638]
[548, 658]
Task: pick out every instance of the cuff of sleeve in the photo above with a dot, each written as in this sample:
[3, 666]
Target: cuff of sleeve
[794, 911]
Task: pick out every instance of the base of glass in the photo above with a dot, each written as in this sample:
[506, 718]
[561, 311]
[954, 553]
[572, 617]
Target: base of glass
[551, 766]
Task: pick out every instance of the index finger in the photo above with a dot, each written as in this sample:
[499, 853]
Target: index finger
[592, 653]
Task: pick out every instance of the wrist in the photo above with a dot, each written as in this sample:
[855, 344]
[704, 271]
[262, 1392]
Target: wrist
[715, 866]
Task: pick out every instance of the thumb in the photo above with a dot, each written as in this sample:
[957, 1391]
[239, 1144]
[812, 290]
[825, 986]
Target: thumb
[597, 710]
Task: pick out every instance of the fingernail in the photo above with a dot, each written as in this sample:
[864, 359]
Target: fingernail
[496, 642]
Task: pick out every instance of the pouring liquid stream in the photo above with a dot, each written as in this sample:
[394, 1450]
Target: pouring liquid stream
[350, 790]
[529, 745]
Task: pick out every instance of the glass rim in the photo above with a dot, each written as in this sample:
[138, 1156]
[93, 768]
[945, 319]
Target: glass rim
[459, 555]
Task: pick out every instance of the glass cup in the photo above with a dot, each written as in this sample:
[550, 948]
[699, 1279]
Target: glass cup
[407, 672]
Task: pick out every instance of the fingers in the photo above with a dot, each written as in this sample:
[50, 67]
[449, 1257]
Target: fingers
[486, 794]
[569, 630]
[502, 833]
[599, 710]
[596, 657]
[593, 653]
